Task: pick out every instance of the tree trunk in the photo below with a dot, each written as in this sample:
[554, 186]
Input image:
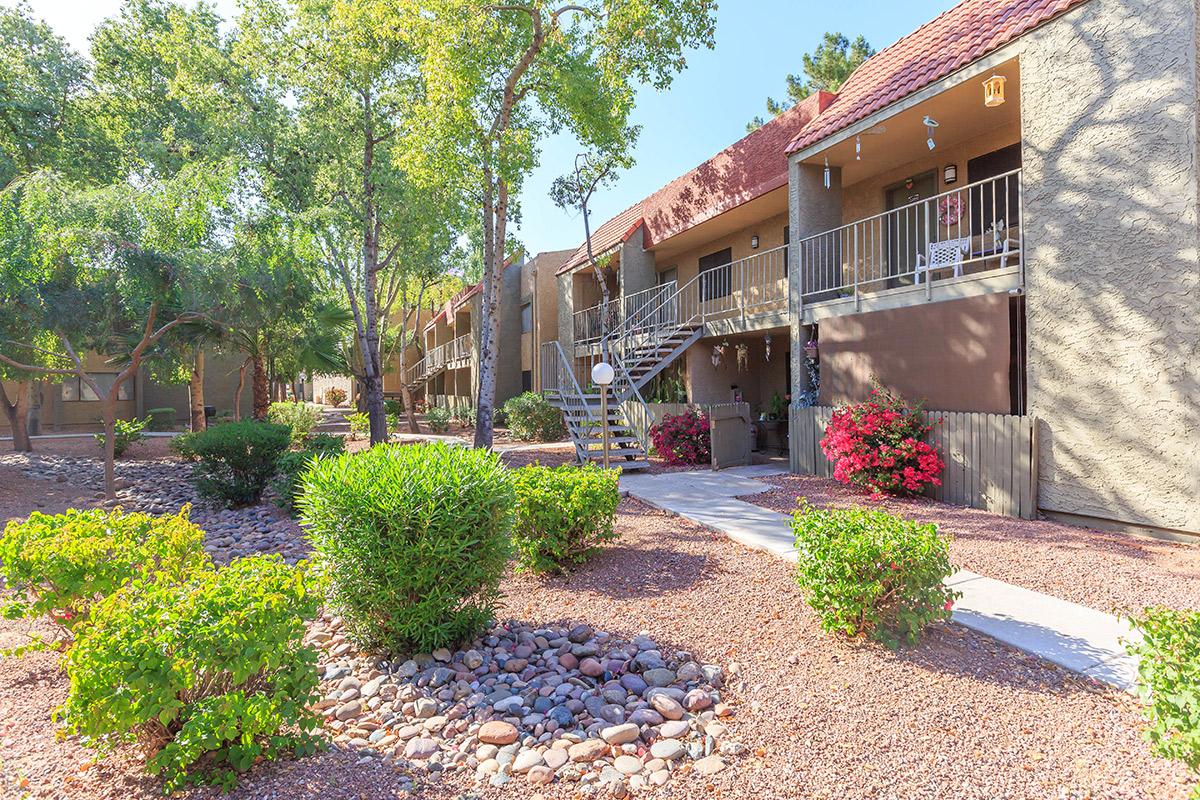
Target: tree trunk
[237, 396]
[262, 394]
[494, 235]
[108, 411]
[17, 411]
[196, 392]
[410, 408]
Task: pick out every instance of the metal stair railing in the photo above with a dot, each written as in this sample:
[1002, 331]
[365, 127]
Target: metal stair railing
[558, 378]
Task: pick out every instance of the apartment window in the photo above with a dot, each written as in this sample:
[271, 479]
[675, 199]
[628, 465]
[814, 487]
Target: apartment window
[527, 318]
[75, 390]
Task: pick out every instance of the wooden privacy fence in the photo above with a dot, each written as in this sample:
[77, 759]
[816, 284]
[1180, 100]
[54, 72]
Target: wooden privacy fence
[991, 459]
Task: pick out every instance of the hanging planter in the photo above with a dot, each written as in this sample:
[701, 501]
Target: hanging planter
[810, 350]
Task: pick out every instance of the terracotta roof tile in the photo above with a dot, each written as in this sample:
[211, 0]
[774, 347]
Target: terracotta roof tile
[965, 33]
[612, 233]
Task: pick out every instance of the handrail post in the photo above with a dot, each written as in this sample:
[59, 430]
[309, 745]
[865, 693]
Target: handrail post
[854, 259]
[929, 211]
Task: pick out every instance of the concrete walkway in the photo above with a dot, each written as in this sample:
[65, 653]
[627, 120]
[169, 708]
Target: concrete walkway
[1073, 636]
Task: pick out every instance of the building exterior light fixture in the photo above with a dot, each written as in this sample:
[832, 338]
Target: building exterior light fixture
[950, 174]
[993, 91]
[754, 242]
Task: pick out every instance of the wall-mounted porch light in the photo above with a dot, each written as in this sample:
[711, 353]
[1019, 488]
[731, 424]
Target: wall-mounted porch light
[754, 242]
[950, 174]
[993, 91]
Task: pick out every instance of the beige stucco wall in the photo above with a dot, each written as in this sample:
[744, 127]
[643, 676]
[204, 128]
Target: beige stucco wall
[687, 264]
[1110, 155]
[708, 384]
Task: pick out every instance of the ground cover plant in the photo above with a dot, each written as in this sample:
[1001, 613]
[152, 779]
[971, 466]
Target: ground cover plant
[1169, 683]
[878, 445]
[414, 540]
[300, 418]
[871, 573]
[234, 462]
[59, 566]
[126, 433]
[562, 514]
[293, 464]
[683, 438]
[530, 417]
[209, 674]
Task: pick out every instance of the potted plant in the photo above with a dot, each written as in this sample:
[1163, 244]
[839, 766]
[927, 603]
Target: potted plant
[810, 349]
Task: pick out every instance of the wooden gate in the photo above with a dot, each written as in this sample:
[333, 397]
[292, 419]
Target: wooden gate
[730, 428]
[991, 459]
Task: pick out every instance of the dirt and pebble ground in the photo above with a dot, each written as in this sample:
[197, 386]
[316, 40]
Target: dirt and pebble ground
[1112, 572]
[960, 716]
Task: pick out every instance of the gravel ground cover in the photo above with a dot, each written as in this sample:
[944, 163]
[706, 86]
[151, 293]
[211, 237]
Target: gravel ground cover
[1111, 572]
[960, 716]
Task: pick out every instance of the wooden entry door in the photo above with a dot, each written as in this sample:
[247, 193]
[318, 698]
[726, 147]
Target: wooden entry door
[907, 229]
[729, 427]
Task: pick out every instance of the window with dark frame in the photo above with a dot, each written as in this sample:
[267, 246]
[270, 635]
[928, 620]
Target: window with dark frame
[716, 276]
[75, 390]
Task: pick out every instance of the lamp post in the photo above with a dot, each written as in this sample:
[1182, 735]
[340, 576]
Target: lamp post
[602, 376]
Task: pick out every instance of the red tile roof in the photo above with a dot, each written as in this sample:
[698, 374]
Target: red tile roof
[612, 233]
[747, 169]
[965, 33]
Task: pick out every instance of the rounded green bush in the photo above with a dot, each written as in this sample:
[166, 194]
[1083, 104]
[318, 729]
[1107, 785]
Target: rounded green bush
[61, 565]
[235, 461]
[563, 514]
[413, 540]
[530, 417]
[210, 673]
[872, 573]
[300, 418]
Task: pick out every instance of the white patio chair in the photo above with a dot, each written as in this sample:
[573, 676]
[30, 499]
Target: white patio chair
[1004, 245]
[943, 255]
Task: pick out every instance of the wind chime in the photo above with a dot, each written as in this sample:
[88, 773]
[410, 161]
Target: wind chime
[767, 343]
[718, 352]
[743, 357]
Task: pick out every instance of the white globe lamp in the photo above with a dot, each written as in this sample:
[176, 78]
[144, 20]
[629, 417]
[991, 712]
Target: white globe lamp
[602, 376]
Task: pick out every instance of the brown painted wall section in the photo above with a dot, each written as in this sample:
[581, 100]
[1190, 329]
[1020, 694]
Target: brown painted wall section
[954, 355]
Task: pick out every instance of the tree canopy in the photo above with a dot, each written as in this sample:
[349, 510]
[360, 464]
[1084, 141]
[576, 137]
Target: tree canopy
[825, 70]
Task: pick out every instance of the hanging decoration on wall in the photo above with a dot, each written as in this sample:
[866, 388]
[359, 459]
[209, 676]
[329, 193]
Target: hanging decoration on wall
[743, 356]
[858, 148]
[767, 342]
[827, 176]
[930, 125]
[950, 210]
[718, 353]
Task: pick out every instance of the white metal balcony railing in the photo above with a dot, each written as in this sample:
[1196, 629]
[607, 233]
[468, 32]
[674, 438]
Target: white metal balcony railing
[961, 232]
[590, 323]
[444, 356]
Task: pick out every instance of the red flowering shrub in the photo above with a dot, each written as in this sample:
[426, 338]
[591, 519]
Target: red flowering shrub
[878, 446]
[683, 439]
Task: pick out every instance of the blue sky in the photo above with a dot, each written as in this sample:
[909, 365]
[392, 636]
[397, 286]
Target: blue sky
[706, 109]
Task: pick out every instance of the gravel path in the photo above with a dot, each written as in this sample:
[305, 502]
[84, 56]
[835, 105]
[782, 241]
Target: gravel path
[960, 716]
[1107, 571]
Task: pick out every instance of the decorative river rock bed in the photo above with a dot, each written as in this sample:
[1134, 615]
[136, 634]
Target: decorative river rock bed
[532, 704]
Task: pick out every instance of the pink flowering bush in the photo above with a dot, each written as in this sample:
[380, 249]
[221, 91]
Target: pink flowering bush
[879, 446]
[683, 439]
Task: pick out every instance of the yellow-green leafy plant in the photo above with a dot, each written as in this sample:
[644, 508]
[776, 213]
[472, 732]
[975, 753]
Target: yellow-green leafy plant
[209, 674]
[360, 424]
[872, 573]
[126, 433]
[1169, 683]
[58, 566]
[300, 418]
[414, 539]
[563, 514]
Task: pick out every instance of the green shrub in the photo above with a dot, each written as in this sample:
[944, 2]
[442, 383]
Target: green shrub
[294, 463]
[872, 573]
[1168, 677]
[301, 418]
[360, 424]
[393, 405]
[531, 418]
[161, 419]
[438, 419]
[235, 461]
[210, 674]
[59, 566]
[467, 416]
[563, 513]
[126, 433]
[414, 539]
[395, 422]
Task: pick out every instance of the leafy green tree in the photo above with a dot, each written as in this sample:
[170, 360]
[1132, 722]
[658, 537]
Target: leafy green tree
[349, 70]
[499, 78]
[111, 271]
[825, 70]
[41, 82]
